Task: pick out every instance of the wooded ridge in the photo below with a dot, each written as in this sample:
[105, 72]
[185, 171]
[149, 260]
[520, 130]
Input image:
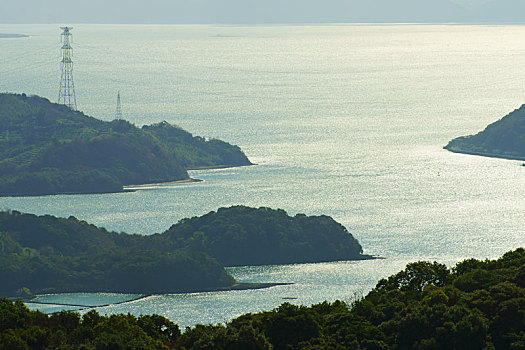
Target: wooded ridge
[47, 148]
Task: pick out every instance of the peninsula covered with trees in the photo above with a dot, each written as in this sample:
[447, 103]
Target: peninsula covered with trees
[475, 305]
[47, 148]
[502, 139]
[241, 235]
[45, 254]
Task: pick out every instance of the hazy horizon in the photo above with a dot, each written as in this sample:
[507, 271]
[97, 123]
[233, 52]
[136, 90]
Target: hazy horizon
[263, 12]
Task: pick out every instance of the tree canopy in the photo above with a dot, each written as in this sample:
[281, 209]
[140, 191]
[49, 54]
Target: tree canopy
[46, 254]
[46, 148]
[241, 235]
[475, 305]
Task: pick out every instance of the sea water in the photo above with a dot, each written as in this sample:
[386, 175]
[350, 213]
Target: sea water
[343, 120]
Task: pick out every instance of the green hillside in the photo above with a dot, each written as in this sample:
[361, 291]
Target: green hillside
[46, 148]
[195, 152]
[240, 235]
[475, 305]
[502, 139]
[51, 255]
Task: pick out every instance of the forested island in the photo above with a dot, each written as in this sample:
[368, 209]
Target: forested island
[502, 139]
[475, 305]
[241, 235]
[45, 254]
[47, 148]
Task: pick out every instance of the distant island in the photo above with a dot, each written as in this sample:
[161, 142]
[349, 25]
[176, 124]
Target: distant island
[475, 305]
[10, 36]
[502, 139]
[45, 254]
[47, 148]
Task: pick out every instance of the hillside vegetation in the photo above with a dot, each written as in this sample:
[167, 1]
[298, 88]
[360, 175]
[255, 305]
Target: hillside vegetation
[502, 139]
[46, 148]
[46, 254]
[51, 255]
[475, 305]
[242, 235]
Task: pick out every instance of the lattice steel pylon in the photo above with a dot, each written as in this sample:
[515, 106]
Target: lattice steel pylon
[66, 91]
[118, 112]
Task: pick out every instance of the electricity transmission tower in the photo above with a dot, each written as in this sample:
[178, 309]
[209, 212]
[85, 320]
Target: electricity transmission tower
[118, 113]
[66, 91]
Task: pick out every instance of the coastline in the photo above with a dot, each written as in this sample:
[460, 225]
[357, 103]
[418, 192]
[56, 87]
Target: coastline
[235, 287]
[247, 286]
[362, 257]
[66, 194]
[137, 187]
[12, 36]
[212, 167]
[132, 188]
[81, 306]
[483, 153]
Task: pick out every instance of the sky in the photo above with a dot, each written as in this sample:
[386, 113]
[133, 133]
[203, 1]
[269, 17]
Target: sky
[261, 11]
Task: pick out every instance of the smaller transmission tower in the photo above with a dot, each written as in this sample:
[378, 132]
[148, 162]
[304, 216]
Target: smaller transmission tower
[118, 112]
[66, 91]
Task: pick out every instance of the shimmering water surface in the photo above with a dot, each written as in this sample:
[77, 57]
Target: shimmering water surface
[343, 120]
